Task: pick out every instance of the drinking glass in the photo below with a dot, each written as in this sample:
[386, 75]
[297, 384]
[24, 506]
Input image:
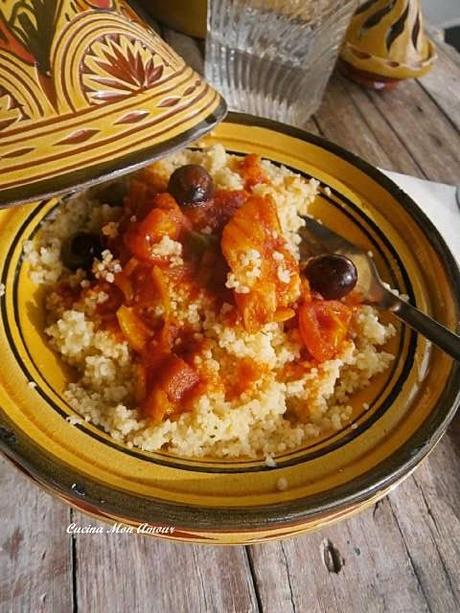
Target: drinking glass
[272, 57]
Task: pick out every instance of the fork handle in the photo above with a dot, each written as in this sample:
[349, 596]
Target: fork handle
[435, 332]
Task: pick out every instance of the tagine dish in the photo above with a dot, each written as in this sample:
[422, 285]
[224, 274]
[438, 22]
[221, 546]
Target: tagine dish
[171, 347]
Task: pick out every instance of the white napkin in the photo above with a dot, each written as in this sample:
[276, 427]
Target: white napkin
[438, 201]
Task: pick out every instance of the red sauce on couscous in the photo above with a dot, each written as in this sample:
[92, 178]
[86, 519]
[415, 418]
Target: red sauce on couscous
[227, 249]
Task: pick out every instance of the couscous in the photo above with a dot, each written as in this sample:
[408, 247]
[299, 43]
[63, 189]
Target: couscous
[178, 297]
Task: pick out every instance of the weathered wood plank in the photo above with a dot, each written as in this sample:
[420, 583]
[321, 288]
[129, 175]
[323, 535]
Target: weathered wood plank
[35, 555]
[348, 567]
[442, 83]
[159, 576]
[427, 134]
[431, 500]
[349, 118]
[400, 556]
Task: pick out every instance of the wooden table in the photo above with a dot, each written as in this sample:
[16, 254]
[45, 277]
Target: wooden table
[402, 555]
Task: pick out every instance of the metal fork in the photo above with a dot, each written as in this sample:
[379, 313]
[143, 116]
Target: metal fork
[317, 239]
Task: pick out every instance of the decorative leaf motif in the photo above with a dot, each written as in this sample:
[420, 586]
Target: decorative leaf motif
[364, 7]
[117, 66]
[169, 102]
[189, 90]
[132, 117]
[11, 43]
[376, 18]
[397, 28]
[78, 136]
[33, 22]
[18, 152]
[9, 112]
[416, 31]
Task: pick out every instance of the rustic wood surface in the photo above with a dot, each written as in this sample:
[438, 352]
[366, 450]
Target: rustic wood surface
[402, 555]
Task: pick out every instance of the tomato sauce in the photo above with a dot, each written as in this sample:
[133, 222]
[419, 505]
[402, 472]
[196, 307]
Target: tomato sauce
[208, 244]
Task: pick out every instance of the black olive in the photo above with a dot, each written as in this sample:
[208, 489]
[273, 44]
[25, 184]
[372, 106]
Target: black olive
[333, 276]
[191, 185]
[80, 250]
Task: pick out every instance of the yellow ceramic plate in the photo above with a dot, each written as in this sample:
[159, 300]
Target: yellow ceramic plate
[410, 405]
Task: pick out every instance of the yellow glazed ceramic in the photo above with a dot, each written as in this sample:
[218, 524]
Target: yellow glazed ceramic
[386, 39]
[215, 501]
[87, 89]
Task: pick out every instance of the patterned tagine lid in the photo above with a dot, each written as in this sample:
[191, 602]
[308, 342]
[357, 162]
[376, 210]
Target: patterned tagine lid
[386, 43]
[88, 90]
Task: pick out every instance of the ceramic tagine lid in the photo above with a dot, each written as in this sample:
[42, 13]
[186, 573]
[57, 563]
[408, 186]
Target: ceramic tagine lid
[386, 43]
[88, 91]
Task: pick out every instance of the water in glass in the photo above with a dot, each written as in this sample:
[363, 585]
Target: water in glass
[272, 57]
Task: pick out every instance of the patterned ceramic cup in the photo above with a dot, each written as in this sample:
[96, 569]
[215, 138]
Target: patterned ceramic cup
[386, 43]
